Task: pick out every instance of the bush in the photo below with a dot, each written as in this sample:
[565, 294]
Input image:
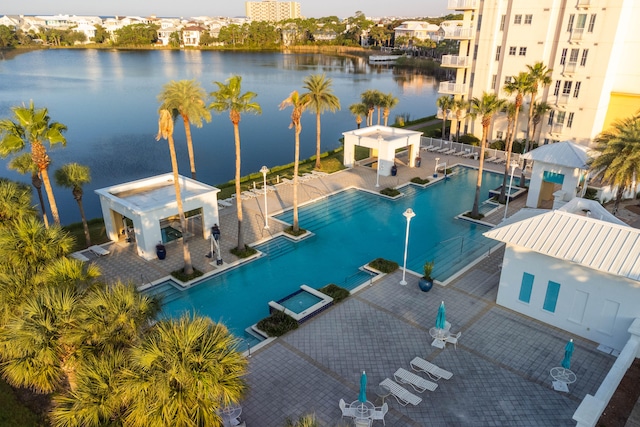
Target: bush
[179, 274]
[591, 194]
[300, 232]
[391, 192]
[418, 180]
[246, 253]
[468, 215]
[277, 324]
[335, 292]
[469, 139]
[384, 265]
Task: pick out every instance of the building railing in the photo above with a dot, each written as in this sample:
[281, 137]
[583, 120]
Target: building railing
[459, 33]
[463, 4]
[570, 67]
[577, 34]
[585, 3]
[455, 61]
[465, 151]
[563, 99]
[452, 88]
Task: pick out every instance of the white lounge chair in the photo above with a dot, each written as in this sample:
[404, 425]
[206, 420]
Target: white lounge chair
[449, 152]
[429, 147]
[380, 412]
[99, 250]
[319, 173]
[469, 154]
[490, 159]
[418, 383]
[79, 256]
[346, 411]
[453, 339]
[441, 150]
[402, 395]
[459, 153]
[224, 202]
[434, 372]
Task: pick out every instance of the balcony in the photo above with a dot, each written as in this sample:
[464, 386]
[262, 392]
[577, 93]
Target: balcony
[453, 88]
[557, 128]
[585, 4]
[450, 115]
[570, 68]
[465, 4]
[459, 33]
[577, 35]
[456, 61]
[563, 99]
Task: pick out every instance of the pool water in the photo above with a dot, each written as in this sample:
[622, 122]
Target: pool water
[351, 228]
[300, 301]
[170, 234]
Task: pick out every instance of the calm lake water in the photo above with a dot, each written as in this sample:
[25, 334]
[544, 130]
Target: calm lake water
[108, 100]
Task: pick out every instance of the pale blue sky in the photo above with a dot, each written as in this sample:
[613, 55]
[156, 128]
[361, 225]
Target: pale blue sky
[187, 8]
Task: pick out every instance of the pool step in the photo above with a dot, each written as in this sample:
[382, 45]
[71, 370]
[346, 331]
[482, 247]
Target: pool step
[357, 279]
[166, 290]
[277, 247]
[330, 210]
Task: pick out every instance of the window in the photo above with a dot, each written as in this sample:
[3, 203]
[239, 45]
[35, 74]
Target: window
[526, 286]
[502, 21]
[583, 60]
[551, 298]
[498, 49]
[546, 141]
[528, 19]
[573, 58]
[560, 120]
[592, 22]
[556, 90]
[570, 120]
[494, 82]
[551, 114]
[475, 52]
[581, 22]
[566, 89]
[507, 80]
[499, 134]
[563, 57]
[576, 90]
[517, 19]
[523, 51]
[570, 22]
[512, 50]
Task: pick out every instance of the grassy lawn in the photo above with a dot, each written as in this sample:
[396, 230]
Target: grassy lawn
[19, 415]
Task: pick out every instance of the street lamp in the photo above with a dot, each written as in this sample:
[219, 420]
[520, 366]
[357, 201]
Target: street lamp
[506, 206]
[407, 214]
[435, 171]
[265, 171]
[378, 168]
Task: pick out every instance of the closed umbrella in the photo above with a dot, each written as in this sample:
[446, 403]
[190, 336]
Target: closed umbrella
[362, 396]
[441, 318]
[568, 351]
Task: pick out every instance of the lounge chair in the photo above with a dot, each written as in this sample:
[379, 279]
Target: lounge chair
[319, 173]
[79, 256]
[491, 159]
[346, 411]
[99, 250]
[379, 413]
[224, 203]
[441, 150]
[459, 153]
[469, 154]
[434, 372]
[453, 339]
[434, 148]
[418, 383]
[402, 395]
[449, 152]
[429, 147]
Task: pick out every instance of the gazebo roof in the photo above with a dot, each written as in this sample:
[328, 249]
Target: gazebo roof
[565, 153]
[371, 136]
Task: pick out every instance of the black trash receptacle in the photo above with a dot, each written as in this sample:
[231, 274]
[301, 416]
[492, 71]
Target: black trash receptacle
[394, 170]
[418, 162]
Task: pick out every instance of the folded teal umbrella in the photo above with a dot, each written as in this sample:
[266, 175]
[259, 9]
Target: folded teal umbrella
[362, 396]
[568, 351]
[441, 318]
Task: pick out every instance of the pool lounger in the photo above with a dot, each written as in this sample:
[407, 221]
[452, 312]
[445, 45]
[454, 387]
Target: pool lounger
[99, 250]
[402, 395]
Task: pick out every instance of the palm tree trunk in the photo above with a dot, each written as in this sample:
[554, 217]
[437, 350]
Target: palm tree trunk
[619, 194]
[37, 183]
[526, 143]
[507, 165]
[296, 160]
[236, 136]
[476, 201]
[187, 132]
[52, 200]
[188, 267]
[378, 116]
[87, 235]
[444, 123]
[318, 165]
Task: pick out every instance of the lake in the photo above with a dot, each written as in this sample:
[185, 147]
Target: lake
[108, 100]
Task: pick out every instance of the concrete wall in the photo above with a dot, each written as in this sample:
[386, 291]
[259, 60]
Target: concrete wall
[569, 185]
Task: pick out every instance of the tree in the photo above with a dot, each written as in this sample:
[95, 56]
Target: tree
[371, 98]
[185, 98]
[321, 98]
[618, 164]
[358, 110]
[229, 97]
[74, 176]
[33, 127]
[102, 35]
[8, 37]
[539, 110]
[444, 103]
[459, 106]
[23, 164]
[540, 75]
[165, 131]
[137, 34]
[485, 107]
[299, 104]
[15, 201]
[388, 101]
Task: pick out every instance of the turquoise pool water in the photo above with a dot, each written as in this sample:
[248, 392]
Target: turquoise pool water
[351, 228]
[300, 301]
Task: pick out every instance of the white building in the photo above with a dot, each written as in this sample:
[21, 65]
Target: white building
[589, 45]
[418, 30]
[272, 10]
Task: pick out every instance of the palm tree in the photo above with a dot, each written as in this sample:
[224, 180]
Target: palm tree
[165, 131]
[23, 164]
[182, 373]
[388, 101]
[539, 110]
[229, 97]
[358, 110]
[459, 106]
[540, 75]
[299, 104]
[15, 201]
[74, 176]
[484, 107]
[618, 165]
[321, 98]
[444, 103]
[371, 98]
[186, 99]
[33, 127]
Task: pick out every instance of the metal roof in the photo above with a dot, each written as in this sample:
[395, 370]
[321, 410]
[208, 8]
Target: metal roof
[565, 153]
[600, 245]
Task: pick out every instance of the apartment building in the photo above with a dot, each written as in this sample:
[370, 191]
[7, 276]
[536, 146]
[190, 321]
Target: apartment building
[590, 45]
[272, 10]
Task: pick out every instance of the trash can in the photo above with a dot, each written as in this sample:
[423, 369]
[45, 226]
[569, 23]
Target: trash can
[394, 170]
[418, 162]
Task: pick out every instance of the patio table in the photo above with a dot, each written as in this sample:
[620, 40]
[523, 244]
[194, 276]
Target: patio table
[363, 410]
[562, 378]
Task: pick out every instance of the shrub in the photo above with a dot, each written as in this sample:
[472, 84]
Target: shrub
[277, 324]
[246, 253]
[384, 265]
[418, 180]
[179, 274]
[468, 215]
[391, 192]
[469, 139]
[591, 194]
[300, 232]
[336, 292]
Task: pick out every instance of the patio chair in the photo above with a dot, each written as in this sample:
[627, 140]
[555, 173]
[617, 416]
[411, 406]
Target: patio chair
[79, 256]
[99, 250]
[402, 395]
[418, 383]
[453, 339]
[449, 152]
[346, 411]
[434, 372]
[380, 412]
[363, 422]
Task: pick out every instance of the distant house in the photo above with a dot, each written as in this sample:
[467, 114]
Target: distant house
[324, 35]
[164, 35]
[12, 22]
[191, 35]
[418, 30]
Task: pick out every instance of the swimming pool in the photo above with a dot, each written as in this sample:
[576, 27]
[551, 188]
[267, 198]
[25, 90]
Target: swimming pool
[351, 228]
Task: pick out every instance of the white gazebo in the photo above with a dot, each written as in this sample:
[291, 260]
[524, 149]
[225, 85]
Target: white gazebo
[149, 202]
[383, 141]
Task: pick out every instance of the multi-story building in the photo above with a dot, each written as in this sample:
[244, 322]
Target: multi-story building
[590, 46]
[272, 10]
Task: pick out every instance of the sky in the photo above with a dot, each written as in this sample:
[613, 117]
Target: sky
[188, 8]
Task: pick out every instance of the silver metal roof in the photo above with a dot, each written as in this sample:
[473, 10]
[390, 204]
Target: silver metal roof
[565, 153]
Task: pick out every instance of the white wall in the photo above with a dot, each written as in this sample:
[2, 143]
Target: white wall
[569, 185]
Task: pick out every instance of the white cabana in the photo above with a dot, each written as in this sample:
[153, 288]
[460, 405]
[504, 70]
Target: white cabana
[149, 201]
[383, 142]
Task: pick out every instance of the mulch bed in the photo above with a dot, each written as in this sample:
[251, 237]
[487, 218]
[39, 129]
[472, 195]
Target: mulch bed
[624, 399]
[634, 208]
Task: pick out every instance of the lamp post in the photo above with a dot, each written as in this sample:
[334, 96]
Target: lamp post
[506, 206]
[378, 168]
[435, 170]
[407, 214]
[265, 171]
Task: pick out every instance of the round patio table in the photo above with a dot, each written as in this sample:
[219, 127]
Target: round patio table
[382, 391]
[363, 410]
[563, 375]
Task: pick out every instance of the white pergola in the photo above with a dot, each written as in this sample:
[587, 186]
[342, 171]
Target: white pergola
[148, 201]
[385, 141]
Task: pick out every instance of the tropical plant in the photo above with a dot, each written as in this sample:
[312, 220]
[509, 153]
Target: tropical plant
[539, 110]
[165, 131]
[388, 101]
[371, 98]
[15, 201]
[298, 104]
[33, 127]
[444, 103]
[74, 176]
[459, 106]
[619, 161]
[185, 98]
[485, 107]
[321, 98]
[540, 76]
[229, 97]
[358, 110]
[428, 270]
[23, 164]
[308, 420]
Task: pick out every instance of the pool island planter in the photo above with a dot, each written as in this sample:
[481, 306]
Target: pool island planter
[325, 302]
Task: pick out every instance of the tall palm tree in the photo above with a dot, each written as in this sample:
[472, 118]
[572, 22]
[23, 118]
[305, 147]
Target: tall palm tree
[299, 104]
[540, 77]
[15, 201]
[23, 164]
[371, 98]
[619, 161]
[485, 107]
[229, 97]
[165, 131]
[33, 127]
[459, 106]
[74, 176]
[185, 98]
[358, 109]
[321, 98]
[388, 101]
[444, 103]
[182, 373]
[539, 110]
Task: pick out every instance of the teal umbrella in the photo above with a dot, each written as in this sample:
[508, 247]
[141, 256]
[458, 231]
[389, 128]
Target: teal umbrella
[362, 396]
[441, 318]
[568, 351]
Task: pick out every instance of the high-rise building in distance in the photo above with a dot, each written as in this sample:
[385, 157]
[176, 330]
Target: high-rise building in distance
[272, 10]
